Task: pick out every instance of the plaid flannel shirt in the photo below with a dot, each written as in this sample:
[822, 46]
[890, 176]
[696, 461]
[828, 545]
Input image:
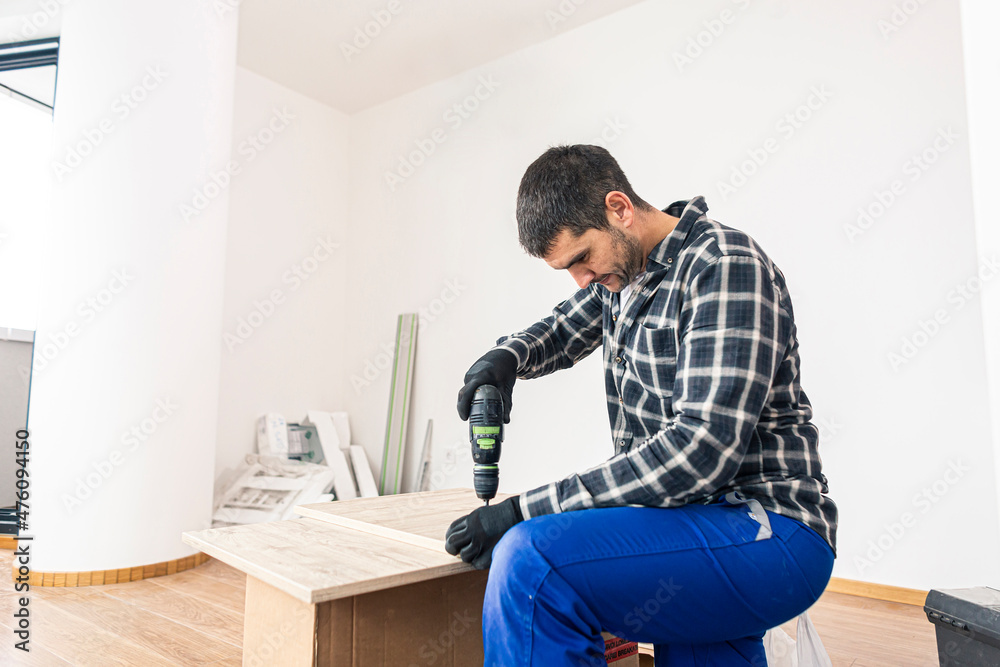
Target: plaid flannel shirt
[702, 378]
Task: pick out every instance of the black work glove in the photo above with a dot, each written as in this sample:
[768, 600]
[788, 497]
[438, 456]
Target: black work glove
[474, 535]
[497, 367]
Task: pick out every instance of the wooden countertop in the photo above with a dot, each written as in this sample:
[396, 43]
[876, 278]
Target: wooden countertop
[346, 548]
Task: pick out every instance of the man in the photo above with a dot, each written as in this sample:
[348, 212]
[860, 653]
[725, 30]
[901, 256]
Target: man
[710, 523]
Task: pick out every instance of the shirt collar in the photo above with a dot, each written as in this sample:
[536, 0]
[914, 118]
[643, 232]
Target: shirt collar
[689, 212]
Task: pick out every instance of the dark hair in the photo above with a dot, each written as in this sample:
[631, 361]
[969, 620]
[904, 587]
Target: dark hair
[565, 189]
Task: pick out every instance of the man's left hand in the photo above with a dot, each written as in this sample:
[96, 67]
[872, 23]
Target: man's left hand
[474, 535]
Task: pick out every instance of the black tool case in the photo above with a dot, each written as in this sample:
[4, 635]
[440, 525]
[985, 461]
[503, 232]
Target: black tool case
[967, 624]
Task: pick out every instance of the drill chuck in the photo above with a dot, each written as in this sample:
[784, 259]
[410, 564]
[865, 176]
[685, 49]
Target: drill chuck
[486, 436]
[486, 479]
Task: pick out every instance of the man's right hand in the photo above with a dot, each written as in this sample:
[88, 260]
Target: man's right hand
[497, 367]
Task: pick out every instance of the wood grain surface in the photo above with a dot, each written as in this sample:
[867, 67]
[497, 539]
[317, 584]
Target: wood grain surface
[279, 630]
[315, 561]
[188, 610]
[420, 519]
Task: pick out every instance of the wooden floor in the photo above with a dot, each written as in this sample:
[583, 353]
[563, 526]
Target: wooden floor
[196, 618]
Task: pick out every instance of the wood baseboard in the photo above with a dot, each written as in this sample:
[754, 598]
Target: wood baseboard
[884, 592]
[102, 577]
[8, 542]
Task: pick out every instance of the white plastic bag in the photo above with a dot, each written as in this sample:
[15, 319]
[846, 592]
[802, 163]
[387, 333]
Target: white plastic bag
[808, 646]
[804, 651]
[779, 649]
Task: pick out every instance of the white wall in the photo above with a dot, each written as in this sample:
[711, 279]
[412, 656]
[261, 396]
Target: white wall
[982, 62]
[285, 308]
[124, 407]
[442, 241]
[890, 430]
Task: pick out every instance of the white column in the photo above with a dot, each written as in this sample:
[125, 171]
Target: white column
[125, 387]
[982, 62]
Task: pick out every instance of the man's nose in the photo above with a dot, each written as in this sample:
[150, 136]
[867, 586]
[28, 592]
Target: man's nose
[581, 275]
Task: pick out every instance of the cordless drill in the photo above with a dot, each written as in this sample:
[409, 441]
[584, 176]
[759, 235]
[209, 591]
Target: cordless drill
[486, 435]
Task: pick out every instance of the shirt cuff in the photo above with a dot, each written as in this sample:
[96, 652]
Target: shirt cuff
[518, 347]
[540, 501]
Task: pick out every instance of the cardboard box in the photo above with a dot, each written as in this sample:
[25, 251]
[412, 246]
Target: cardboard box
[436, 622]
[272, 435]
[620, 652]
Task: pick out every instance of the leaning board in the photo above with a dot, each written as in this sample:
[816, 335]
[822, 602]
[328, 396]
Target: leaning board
[391, 475]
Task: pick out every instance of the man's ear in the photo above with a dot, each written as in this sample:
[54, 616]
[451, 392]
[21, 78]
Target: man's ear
[619, 208]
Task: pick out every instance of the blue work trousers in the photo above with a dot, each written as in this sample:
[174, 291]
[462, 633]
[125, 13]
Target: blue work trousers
[693, 580]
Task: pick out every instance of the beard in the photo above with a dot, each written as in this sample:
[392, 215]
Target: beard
[630, 258]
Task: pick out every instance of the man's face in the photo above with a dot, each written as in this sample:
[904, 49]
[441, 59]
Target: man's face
[612, 257]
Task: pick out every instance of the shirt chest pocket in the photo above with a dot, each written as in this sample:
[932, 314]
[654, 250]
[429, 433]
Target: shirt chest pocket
[654, 359]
